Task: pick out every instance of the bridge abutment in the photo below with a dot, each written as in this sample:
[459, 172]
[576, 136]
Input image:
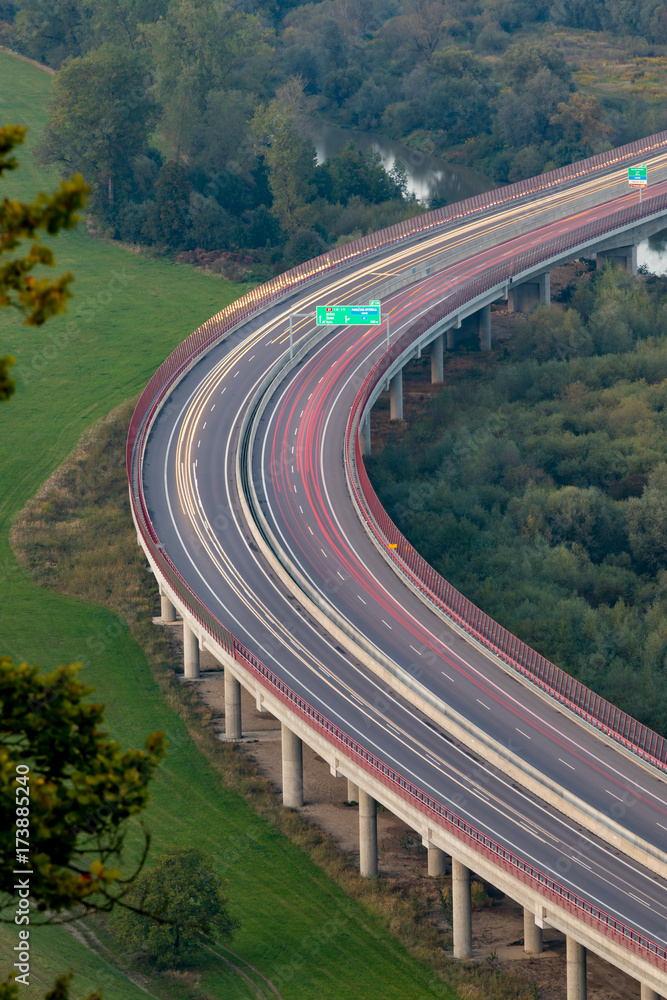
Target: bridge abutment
[368, 835]
[533, 942]
[576, 969]
[462, 910]
[292, 754]
[233, 724]
[190, 653]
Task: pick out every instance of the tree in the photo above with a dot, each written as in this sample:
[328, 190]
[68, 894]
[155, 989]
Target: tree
[582, 123]
[99, 119]
[82, 790]
[36, 298]
[51, 32]
[186, 892]
[290, 161]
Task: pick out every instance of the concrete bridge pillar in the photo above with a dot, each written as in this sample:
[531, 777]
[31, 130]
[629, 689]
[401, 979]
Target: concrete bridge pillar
[368, 835]
[352, 791]
[576, 970]
[233, 730]
[437, 862]
[292, 751]
[532, 934]
[485, 328]
[365, 435]
[522, 297]
[190, 653]
[437, 360]
[167, 609]
[462, 910]
[451, 338]
[648, 993]
[625, 257]
[396, 396]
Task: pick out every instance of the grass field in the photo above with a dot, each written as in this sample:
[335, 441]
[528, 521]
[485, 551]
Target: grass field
[128, 313]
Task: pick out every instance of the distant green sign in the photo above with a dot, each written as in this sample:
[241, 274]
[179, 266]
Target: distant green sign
[637, 176]
[348, 315]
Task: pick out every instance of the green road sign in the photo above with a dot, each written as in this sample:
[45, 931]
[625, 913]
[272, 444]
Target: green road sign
[349, 315]
[637, 176]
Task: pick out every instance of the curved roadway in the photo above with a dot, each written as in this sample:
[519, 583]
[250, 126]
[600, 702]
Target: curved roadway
[189, 477]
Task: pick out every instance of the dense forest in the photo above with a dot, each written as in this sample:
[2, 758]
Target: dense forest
[185, 115]
[537, 485]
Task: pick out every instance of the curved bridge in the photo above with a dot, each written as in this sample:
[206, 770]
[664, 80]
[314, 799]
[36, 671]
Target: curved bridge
[253, 507]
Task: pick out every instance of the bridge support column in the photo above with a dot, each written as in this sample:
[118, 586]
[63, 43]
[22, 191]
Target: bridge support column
[649, 994]
[576, 970]
[625, 257]
[437, 862]
[451, 338]
[190, 653]
[292, 750]
[352, 791]
[365, 435]
[396, 396]
[368, 835]
[167, 609]
[485, 328]
[233, 730]
[462, 910]
[532, 934]
[545, 288]
[437, 360]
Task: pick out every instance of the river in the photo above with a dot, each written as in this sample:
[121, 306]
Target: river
[432, 177]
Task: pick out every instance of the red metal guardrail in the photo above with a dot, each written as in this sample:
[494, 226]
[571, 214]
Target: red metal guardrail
[620, 726]
[210, 333]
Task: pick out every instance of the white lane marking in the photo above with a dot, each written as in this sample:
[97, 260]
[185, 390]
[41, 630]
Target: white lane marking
[583, 865]
[566, 763]
[251, 359]
[301, 414]
[199, 442]
[213, 407]
[416, 650]
[311, 530]
[292, 449]
[661, 826]
[310, 395]
[386, 623]
[340, 574]
[292, 470]
[524, 734]
[301, 508]
[236, 373]
[204, 427]
[448, 677]
[393, 729]
[613, 796]
[361, 599]
[295, 431]
[642, 901]
[223, 390]
[483, 705]
[295, 487]
[324, 553]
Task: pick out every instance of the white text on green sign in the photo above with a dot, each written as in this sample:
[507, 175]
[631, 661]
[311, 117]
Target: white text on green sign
[637, 176]
[348, 315]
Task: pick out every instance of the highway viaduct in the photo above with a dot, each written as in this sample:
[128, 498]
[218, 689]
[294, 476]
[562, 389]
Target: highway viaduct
[270, 545]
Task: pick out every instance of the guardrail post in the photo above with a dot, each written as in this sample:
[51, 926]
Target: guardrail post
[292, 751]
[576, 970]
[437, 862]
[233, 730]
[396, 396]
[533, 942]
[368, 835]
[365, 435]
[437, 360]
[462, 910]
[352, 791]
[649, 994]
[190, 653]
[167, 609]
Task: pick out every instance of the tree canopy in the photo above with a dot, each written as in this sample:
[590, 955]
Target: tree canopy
[83, 787]
[186, 891]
